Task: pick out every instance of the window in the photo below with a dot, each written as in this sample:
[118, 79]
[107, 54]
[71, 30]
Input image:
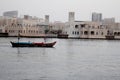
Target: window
[96, 33]
[82, 25]
[77, 33]
[73, 32]
[89, 26]
[92, 32]
[76, 26]
[115, 33]
[108, 32]
[13, 31]
[6, 31]
[29, 31]
[12, 24]
[102, 33]
[37, 32]
[118, 33]
[18, 31]
[98, 27]
[86, 32]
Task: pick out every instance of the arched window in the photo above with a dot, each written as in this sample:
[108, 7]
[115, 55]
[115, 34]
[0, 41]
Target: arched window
[108, 32]
[78, 33]
[102, 33]
[82, 25]
[115, 33]
[98, 27]
[92, 32]
[76, 26]
[96, 33]
[118, 33]
[86, 32]
[73, 32]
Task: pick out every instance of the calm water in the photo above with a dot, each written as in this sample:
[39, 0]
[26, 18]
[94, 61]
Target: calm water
[71, 59]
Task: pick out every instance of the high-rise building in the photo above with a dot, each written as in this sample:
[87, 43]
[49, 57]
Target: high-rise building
[71, 16]
[96, 17]
[46, 19]
[11, 14]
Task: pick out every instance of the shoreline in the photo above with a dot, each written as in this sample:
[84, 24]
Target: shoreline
[57, 37]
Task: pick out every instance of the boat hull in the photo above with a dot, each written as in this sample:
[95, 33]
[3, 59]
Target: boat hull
[28, 44]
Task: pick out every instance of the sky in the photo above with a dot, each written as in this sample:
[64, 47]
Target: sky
[58, 9]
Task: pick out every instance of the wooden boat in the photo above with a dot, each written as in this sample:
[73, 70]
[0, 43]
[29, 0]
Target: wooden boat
[32, 44]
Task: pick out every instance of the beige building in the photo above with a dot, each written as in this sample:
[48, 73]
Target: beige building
[91, 29]
[36, 27]
[27, 26]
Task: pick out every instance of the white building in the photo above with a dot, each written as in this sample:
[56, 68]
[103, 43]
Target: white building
[72, 27]
[91, 29]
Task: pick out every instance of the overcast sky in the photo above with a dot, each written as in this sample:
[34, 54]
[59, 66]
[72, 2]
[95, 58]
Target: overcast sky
[58, 9]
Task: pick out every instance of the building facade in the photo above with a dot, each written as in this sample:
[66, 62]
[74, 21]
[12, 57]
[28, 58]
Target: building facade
[95, 29]
[29, 27]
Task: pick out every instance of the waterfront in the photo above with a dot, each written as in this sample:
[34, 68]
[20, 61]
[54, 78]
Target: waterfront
[71, 59]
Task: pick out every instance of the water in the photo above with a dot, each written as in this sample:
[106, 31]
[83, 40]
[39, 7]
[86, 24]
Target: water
[71, 59]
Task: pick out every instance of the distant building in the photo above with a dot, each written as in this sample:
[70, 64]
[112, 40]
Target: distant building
[108, 20]
[96, 17]
[72, 27]
[47, 19]
[94, 29]
[11, 14]
[27, 26]
[71, 17]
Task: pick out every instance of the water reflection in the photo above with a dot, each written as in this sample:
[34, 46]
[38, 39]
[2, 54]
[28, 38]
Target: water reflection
[18, 51]
[19, 55]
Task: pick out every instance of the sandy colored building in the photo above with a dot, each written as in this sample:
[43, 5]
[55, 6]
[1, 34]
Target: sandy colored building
[91, 29]
[24, 26]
